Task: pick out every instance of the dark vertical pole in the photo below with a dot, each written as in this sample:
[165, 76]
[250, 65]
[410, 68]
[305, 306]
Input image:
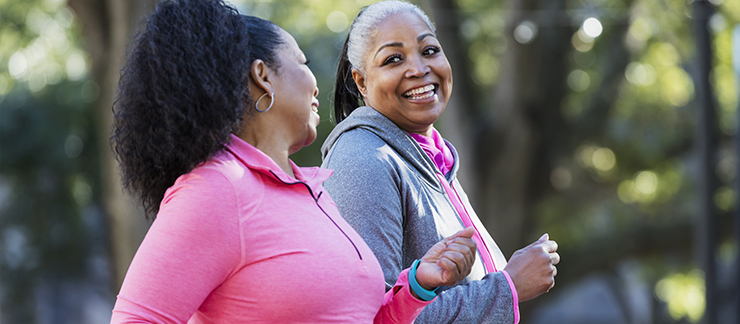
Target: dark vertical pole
[736, 65]
[707, 143]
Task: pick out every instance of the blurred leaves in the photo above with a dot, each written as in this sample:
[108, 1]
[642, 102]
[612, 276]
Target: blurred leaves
[50, 224]
[634, 167]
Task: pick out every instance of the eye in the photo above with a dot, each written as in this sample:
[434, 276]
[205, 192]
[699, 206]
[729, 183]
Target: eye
[431, 50]
[392, 59]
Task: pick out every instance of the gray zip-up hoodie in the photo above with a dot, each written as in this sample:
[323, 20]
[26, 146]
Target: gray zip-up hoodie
[385, 186]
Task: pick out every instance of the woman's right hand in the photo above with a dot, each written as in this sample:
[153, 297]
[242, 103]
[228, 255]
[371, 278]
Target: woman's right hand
[532, 268]
[448, 261]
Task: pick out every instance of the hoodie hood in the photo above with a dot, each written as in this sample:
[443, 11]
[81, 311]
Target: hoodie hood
[398, 139]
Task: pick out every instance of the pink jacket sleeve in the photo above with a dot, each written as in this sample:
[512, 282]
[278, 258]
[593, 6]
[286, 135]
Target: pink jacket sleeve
[190, 249]
[399, 305]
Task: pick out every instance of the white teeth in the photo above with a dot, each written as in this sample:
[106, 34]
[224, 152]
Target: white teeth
[428, 95]
[421, 90]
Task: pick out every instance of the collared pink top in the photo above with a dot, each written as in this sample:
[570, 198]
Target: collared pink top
[237, 240]
[437, 150]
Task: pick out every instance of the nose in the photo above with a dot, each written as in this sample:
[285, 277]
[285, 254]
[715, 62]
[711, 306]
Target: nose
[417, 67]
[316, 92]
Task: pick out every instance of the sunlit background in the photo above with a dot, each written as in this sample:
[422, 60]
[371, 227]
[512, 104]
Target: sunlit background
[573, 117]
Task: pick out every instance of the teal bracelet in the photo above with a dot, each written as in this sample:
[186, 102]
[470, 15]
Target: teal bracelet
[423, 294]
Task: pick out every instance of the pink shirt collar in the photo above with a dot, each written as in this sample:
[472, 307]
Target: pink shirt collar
[259, 161]
[437, 150]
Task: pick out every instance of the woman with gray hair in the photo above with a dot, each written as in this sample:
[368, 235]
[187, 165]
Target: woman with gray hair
[394, 175]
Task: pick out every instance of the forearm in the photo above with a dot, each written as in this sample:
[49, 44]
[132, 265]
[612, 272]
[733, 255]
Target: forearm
[399, 304]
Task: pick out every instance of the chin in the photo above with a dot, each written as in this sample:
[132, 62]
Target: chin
[429, 117]
[310, 139]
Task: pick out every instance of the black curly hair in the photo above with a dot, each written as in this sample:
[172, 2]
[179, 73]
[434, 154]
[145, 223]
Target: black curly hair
[183, 90]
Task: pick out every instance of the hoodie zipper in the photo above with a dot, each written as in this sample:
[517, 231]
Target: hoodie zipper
[440, 178]
[316, 200]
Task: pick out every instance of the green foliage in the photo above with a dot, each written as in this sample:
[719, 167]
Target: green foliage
[635, 169]
[49, 221]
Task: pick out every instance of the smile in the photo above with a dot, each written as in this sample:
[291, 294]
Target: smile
[315, 106]
[421, 93]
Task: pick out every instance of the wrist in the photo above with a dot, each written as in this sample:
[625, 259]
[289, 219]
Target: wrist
[416, 289]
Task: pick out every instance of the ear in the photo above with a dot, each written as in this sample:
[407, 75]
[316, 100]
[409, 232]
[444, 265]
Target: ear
[261, 77]
[360, 82]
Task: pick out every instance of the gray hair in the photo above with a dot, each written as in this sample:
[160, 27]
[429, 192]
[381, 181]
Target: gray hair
[367, 22]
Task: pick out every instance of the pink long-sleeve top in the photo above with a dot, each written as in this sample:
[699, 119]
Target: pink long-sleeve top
[237, 240]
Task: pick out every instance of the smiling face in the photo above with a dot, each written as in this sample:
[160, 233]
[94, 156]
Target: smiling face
[291, 87]
[407, 76]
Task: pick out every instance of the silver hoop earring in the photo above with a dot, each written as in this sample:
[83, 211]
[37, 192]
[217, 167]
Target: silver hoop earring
[272, 101]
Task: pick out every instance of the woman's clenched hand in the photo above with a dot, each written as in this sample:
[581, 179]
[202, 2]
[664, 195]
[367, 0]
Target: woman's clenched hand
[448, 261]
[532, 268]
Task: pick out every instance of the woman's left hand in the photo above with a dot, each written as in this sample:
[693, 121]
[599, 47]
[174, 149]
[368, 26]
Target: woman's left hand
[448, 261]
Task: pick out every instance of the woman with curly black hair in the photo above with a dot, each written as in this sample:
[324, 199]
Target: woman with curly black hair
[210, 106]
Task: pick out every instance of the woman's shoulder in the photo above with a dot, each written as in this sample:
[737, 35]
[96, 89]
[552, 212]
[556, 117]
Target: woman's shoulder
[220, 173]
[218, 184]
[359, 144]
[361, 141]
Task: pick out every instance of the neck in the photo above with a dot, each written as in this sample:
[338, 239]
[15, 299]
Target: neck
[424, 132]
[269, 142]
[427, 133]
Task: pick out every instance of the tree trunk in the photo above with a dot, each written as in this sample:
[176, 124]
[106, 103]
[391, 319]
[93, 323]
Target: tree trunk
[526, 107]
[107, 27]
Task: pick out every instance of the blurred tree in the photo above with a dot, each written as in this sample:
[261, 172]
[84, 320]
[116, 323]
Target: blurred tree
[53, 264]
[107, 27]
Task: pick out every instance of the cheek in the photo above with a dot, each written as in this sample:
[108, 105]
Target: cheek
[444, 70]
[383, 87]
[445, 73]
[310, 80]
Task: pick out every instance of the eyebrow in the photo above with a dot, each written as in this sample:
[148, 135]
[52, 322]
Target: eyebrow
[399, 44]
[422, 36]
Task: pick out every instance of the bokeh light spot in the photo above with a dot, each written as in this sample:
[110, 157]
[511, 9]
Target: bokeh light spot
[73, 146]
[592, 27]
[76, 67]
[81, 190]
[646, 182]
[579, 81]
[640, 74]
[337, 21]
[18, 65]
[604, 159]
[581, 43]
[724, 198]
[677, 86]
[526, 32]
[641, 29]
[683, 294]
[561, 178]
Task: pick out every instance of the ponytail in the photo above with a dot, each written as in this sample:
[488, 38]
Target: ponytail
[184, 89]
[347, 97]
